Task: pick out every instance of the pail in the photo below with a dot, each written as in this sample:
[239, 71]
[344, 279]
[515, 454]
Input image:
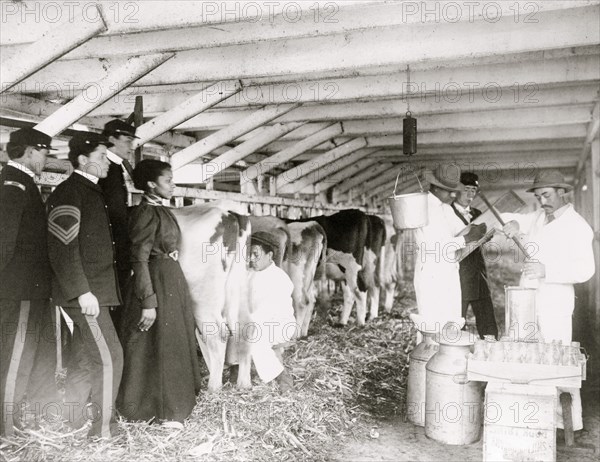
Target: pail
[409, 211]
[520, 314]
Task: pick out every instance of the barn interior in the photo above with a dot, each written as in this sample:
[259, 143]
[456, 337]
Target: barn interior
[296, 109]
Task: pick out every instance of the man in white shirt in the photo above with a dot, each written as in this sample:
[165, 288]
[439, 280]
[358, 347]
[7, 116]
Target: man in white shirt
[270, 293]
[436, 279]
[560, 244]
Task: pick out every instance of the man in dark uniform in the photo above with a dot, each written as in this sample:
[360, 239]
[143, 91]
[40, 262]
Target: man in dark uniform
[473, 274]
[28, 341]
[114, 186]
[85, 284]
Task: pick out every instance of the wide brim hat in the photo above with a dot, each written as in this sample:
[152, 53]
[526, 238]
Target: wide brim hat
[446, 176]
[549, 179]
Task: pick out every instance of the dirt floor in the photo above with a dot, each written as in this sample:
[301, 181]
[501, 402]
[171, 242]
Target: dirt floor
[398, 440]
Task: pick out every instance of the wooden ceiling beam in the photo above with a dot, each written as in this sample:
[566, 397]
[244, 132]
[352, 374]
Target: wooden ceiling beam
[368, 48]
[563, 96]
[327, 168]
[440, 89]
[327, 132]
[201, 173]
[288, 181]
[220, 138]
[52, 45]
[204, 100]
[104, 89]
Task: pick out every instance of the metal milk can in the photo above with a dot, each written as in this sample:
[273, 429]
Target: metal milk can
[415, 399]
[453, 404]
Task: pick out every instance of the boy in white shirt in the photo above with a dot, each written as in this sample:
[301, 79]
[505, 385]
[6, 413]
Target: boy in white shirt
[270, 293]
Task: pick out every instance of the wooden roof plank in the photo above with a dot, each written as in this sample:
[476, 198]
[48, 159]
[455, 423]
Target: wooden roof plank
[105, 88]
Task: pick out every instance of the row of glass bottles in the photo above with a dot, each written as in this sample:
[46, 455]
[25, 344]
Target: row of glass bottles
[554, 353]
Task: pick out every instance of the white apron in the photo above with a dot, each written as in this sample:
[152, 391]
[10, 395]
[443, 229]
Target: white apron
[564, 246]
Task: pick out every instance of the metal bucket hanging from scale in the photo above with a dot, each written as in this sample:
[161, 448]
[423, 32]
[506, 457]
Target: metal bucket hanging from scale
[409, 211]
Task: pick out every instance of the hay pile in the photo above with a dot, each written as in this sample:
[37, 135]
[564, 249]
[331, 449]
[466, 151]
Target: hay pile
[344, 380]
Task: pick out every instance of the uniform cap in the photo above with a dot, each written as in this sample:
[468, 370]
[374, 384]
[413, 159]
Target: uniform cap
[31, 137]
[118, 127]
[87, 141]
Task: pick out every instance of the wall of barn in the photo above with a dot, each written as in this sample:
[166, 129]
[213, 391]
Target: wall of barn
[587, 201]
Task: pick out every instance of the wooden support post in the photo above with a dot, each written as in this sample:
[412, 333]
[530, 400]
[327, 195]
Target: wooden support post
[204, 100]
[592, 132]
[218, 139]
[55, 43]
[134, 69]
[138, 120]
[595, 198]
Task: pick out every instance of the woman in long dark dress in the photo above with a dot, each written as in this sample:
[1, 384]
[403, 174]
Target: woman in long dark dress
[161, 374]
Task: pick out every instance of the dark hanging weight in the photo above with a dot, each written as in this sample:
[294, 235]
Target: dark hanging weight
[409, 135]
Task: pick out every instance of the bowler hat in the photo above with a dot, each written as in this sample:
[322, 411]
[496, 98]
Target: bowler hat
[84, 142]
[469, 179]
[31, 137]
[117, 127]
[445, 176]
[549, 179]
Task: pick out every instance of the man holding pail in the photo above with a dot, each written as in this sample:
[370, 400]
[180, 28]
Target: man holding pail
[562, 240]
[436, 279]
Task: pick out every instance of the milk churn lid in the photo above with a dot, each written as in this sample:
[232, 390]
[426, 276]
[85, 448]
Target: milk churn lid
[450, 335]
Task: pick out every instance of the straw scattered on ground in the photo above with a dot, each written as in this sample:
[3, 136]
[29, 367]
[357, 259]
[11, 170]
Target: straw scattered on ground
[344, 380]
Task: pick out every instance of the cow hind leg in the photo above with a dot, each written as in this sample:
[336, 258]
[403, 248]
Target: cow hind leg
[348, 304]
[388, 303]
[374, 295]
[213, 350]
[361, 307]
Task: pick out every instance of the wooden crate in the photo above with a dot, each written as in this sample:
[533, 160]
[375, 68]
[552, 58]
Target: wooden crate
[519, 423]
[522, 373]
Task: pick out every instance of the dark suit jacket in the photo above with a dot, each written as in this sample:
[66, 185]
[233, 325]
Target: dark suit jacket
[80, 244]
[115, 196]
[25, 272]
[473, 273]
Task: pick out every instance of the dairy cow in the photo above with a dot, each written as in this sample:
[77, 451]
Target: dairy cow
[347, 232]
[300, 248]
[373, 262]
[392, 271]
[306, 252]
[213, 260]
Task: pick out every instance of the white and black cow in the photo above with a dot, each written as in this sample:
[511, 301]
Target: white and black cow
[373, 262]
[213, 260]
[392, 274]
[300, 247]
[347, 232]
[306, 251]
